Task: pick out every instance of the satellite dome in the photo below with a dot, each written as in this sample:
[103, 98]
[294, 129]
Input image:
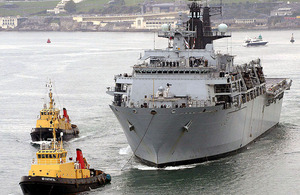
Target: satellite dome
[222, 28]
[165, 27]
[161, 89]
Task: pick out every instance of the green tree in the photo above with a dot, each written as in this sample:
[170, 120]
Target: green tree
[70, 6]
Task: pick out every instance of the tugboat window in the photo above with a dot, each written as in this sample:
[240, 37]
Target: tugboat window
[54, 155]
[43, 155]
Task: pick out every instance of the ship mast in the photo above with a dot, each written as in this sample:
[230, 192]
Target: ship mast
[200, 22]
[50, 95]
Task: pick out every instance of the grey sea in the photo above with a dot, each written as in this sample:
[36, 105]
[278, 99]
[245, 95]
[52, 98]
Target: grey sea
[82, 64]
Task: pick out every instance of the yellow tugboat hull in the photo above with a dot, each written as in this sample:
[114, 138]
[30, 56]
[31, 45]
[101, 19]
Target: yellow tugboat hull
[39, 185]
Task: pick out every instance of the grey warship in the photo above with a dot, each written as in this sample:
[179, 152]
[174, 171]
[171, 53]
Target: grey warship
[187, 103]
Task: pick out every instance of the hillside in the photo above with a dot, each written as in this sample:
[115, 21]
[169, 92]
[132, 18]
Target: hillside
[38, 8]
[26, 8]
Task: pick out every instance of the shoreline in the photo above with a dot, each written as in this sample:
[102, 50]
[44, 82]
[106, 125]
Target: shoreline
[143, 30]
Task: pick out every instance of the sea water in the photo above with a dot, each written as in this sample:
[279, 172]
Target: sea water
[82, 64]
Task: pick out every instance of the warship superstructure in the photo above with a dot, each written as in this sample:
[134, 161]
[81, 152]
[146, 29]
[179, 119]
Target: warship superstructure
[187, 103]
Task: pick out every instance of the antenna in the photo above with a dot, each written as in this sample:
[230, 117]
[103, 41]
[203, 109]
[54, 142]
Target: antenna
[221, 5]
[154, 40]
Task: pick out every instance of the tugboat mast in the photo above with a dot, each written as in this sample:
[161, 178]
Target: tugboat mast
[50, 95]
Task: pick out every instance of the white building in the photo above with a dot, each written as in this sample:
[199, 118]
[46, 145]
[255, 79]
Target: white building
[8, 22]
[152, 23]
[282, 12]
[60, 7]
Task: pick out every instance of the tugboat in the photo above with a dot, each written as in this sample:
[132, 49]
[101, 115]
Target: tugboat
[52, 174]
[48, 41]
[48, 115]
[254, 41]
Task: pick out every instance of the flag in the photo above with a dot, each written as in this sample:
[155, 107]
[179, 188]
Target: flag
[186, 44]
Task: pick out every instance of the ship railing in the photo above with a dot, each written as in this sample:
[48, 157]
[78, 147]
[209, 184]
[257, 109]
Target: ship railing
[168, 104]
[115, 89]
[222, 90]
[217, 33]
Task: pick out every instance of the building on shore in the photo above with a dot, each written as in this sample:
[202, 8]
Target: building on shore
[282, 12]
[152, 8]
[131, 22]
[8, 22]
[60, 7]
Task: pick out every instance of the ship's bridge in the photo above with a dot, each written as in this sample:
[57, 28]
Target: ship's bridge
[184, 58]
[50, 156]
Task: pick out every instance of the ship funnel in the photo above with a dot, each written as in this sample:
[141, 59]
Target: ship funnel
[79, 158]
[66, 114]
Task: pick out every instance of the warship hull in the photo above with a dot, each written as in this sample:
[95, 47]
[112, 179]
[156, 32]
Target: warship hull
[174, 136]
[43, 134]
[48, 185]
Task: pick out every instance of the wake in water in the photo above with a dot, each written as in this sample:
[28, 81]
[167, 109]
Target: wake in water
[79, 138]
[39, 143]
[124, 151]
[169, 168]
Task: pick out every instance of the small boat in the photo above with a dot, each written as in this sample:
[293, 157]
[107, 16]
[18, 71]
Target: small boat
[49, 115]
[48, 41]
[53, 174]
[292, 38]
[254, 41]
